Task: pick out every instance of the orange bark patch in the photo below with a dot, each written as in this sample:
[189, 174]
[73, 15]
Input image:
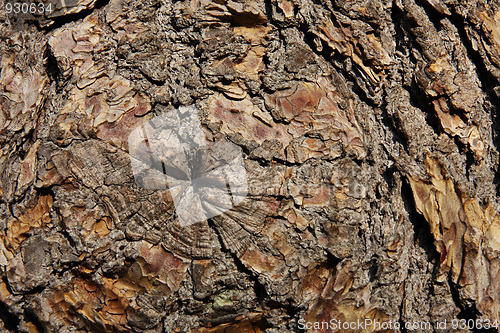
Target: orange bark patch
[36, 217]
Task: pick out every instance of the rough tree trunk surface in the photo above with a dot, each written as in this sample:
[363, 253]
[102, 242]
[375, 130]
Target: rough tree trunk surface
[370, 141]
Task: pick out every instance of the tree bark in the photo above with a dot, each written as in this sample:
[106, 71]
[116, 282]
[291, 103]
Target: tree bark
[369, 137]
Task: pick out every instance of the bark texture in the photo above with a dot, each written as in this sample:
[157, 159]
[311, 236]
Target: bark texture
[370, 137]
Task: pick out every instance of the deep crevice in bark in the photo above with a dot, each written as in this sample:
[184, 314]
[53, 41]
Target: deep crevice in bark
[469, 313]
[10, 320]
[422, 232]
[259, 288]
[31, 317]
[488, 85]
[53, 71]
[62, 20]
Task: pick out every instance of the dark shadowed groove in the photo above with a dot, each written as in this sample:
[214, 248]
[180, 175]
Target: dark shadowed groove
[10, 320]
[488, 82]
[31, 317]
[62, 20]
[487, 79]
[422, 232]
[467, 313]
[259, 288]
